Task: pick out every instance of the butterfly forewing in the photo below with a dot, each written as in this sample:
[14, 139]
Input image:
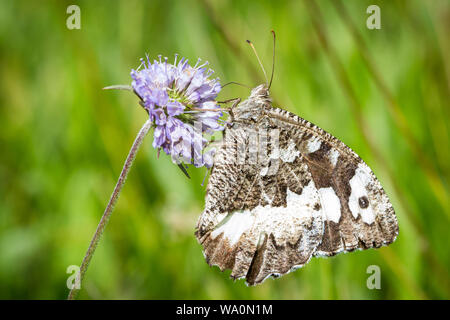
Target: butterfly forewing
[281, 191]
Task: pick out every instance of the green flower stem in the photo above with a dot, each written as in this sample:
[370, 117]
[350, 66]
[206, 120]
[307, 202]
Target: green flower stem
[110, 207]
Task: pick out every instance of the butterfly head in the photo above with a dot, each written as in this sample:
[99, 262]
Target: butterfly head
[260, 93]
[252, 108]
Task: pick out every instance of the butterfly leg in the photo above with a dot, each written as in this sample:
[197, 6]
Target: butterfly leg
[235, 100]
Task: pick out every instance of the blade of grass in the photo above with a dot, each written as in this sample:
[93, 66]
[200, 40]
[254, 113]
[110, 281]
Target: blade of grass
[438, 130]
[399, 269]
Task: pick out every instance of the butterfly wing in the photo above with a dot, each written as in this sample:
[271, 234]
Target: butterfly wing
[285, 191]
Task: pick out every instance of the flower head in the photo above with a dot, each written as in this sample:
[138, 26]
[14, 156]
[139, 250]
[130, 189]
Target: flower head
[180, 100]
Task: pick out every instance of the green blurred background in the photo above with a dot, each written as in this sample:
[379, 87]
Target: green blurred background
[63, 140]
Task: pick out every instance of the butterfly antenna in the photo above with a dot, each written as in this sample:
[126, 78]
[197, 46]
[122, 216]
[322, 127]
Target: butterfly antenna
[237, 83]
[273, 59]
[257, 57]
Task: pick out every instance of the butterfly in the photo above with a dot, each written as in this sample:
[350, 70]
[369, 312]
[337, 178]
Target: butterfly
[282, 191]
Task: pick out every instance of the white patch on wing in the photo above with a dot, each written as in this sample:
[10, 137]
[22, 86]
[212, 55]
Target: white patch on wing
[220, 217]
[333, 156]
[358, 186]
[237, 224]
[289, 154]
[295, 202]
[314, 144]
[331, 206]
[286, 155]
[266, 197]
[275, 154]
[264, 171]
[282, 222]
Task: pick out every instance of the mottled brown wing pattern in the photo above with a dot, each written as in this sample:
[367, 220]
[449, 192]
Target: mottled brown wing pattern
[310, 195]
[367, 218]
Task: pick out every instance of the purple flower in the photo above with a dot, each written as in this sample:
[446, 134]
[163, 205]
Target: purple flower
[180, 100]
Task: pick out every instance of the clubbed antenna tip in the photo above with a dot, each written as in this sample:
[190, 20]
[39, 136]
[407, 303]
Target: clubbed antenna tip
[259, 60]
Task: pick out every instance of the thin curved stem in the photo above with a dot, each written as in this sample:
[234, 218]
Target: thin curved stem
[109, 208]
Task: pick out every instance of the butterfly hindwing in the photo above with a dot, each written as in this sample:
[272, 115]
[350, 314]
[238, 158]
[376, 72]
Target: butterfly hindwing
[254, 223]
